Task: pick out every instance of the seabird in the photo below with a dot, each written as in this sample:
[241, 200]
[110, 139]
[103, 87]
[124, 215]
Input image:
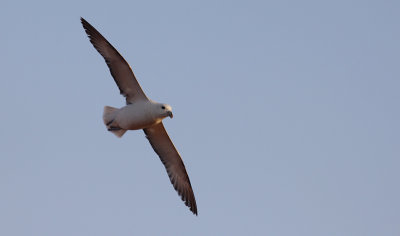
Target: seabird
[141, 112]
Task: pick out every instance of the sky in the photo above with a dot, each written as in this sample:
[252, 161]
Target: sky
[286, 115]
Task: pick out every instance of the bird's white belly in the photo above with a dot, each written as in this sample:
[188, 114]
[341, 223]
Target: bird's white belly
[134, 116]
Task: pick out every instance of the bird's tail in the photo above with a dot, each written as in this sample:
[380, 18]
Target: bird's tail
[109, 115]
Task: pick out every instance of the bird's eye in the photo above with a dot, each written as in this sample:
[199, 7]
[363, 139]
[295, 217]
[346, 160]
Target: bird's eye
[163, 107]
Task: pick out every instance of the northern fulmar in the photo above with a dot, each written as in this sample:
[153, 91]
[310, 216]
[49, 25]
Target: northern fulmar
[141, 112]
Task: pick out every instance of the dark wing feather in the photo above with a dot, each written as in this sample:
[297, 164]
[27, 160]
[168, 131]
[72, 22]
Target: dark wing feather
[165, 149]
[119, 68]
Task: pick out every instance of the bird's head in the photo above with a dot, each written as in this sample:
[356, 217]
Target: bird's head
[165, 110]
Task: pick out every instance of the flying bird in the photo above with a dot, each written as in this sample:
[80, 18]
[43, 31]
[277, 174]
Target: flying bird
[141, 112]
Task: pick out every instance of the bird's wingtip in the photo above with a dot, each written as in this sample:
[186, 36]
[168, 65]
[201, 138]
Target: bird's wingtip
[83, 20]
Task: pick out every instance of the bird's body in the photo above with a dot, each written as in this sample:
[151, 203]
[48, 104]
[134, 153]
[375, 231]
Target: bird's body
[137, 115]
[141, 113]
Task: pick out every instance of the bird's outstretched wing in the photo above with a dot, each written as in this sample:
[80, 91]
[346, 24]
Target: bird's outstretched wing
[165, 149]
[119, 68]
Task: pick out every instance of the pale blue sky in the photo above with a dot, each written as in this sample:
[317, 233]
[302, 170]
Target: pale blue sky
[286, 114]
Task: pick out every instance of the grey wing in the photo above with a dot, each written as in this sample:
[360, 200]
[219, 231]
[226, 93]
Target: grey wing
[119, 68]
[165, 149]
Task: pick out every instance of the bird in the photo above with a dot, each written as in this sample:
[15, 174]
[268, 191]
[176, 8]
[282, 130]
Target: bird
[140, 112]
